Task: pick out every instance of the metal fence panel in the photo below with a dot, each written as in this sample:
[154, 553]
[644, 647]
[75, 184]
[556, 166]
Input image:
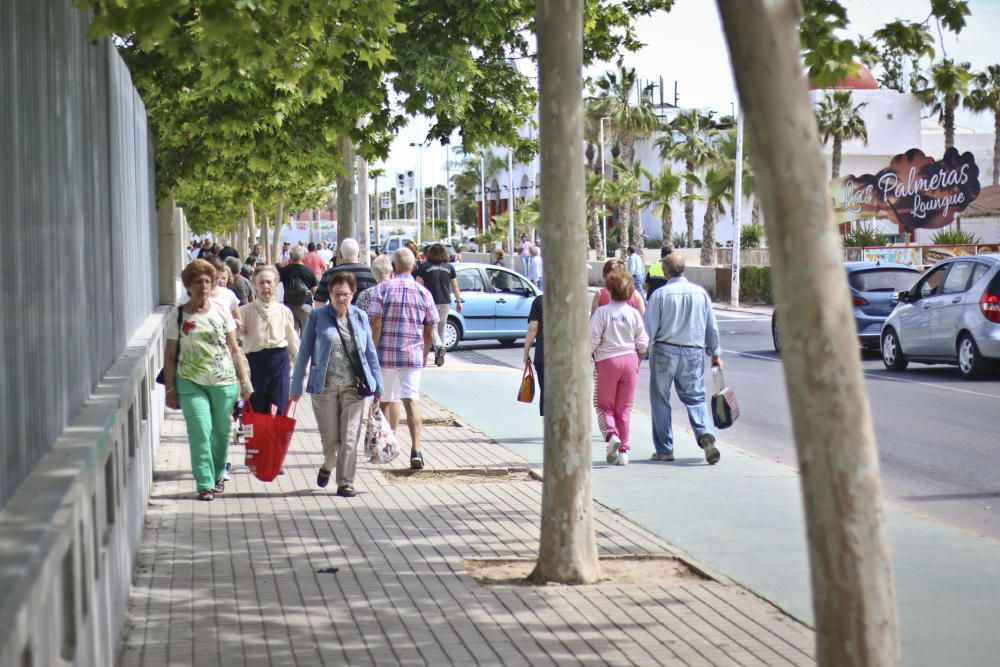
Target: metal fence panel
[77, 223]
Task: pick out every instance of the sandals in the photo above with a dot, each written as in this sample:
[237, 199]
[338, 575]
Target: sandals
[207, 495]
[220, 485]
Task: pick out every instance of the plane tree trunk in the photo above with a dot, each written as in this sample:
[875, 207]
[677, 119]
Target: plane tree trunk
[853, 594]
[567, 551]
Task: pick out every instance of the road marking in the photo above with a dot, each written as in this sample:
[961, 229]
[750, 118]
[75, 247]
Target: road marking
[872, 375]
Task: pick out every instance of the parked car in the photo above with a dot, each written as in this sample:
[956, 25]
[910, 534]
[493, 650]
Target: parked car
[495, 304]
[872, 286]
[950, 316]
[452, 255]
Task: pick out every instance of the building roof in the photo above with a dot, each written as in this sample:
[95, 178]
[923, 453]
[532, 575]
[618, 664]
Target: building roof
[986, 205]
[863, 80]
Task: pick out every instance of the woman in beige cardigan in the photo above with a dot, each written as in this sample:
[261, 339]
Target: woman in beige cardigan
[270, 343]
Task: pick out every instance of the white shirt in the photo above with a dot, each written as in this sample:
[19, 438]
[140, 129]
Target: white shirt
[326, 254]
[268, 326]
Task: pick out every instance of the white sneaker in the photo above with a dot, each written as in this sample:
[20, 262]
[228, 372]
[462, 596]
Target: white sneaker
[613, 444]
[226, 471]
[622, 459]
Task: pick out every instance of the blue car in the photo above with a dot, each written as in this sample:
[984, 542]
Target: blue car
[495, 304]
[872, 286]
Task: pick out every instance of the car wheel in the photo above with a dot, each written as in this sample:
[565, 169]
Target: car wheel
[452, 334]
[892, 353]
[507, 341]
[774, 333]
[970, 363]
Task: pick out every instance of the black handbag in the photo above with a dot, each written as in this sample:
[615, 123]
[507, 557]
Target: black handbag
[161, 377]
[360, 379]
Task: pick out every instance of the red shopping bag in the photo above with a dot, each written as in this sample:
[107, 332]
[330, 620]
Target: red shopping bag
[267, 439]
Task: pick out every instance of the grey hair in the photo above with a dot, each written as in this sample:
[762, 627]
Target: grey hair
[535, 251]
[349, 249]
[296, 253]
[673, 264]
[381, 268]
[233, 264]
[403, 260]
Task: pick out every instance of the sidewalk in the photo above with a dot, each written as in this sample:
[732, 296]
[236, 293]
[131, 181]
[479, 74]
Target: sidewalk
[744, 518]
[244, 579]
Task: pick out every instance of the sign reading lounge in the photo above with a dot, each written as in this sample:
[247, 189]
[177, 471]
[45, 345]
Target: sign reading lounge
[914, 191]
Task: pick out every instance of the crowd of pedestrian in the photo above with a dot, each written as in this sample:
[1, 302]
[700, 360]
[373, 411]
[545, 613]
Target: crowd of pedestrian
[353, 336]
[357, 337]
[674, 326]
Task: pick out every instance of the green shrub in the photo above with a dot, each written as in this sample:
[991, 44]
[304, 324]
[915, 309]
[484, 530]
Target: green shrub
[864, 235]
[656, 244]
[680, 240]
[751, 235]
[953, 237]
[755, 285]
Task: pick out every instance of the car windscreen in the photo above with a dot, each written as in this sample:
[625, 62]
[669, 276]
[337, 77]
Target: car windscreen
[883, 280]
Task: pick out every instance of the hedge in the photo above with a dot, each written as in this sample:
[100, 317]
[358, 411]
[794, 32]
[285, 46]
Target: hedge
[755, 285]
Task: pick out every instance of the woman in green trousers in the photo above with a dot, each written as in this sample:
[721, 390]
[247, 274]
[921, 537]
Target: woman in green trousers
[201, 376]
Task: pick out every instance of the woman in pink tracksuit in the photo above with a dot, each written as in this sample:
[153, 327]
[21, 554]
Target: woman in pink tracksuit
[617, 339]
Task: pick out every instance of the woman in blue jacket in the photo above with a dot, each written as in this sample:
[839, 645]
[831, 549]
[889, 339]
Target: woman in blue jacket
[338, 348]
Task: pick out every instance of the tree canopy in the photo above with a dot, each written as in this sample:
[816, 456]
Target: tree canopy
[240, 91]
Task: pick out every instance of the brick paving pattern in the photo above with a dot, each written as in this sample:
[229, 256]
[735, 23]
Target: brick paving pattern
[240, 581]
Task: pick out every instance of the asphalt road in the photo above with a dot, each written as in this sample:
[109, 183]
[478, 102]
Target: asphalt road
[938, 435]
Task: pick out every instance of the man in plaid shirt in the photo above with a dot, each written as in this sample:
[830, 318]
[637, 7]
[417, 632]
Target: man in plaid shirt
[403, 317]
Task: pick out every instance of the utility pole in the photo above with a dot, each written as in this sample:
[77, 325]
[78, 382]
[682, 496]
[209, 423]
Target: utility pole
[378, 214]
[734, 288]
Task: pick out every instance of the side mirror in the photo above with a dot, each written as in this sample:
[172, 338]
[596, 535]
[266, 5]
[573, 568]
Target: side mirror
[900, 297]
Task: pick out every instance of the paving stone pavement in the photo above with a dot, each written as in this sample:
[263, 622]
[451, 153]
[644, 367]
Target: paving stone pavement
[239, 581]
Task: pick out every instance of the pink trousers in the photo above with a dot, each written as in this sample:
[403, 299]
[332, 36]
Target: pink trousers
[615, 388]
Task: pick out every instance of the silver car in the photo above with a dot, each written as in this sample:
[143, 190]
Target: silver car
[950, 316]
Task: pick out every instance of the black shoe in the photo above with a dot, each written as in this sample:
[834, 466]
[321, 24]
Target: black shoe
[707, 443]
[416, 461]
[220, 485]
[323, 478]
[346, 491]
[439, 356]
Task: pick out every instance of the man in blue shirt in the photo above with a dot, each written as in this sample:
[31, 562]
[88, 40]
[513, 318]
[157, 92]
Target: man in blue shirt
[635, 267]
[681, 327]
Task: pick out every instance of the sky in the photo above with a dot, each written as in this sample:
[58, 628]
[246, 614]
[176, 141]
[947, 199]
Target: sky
[687, 45]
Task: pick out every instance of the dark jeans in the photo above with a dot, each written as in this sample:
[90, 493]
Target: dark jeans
[540, 376]
[269, 375]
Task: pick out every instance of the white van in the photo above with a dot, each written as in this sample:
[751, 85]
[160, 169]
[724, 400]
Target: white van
[394, 243]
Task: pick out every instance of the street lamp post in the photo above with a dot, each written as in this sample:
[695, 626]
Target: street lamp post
[734, 287]
[482, 187]
[604, 209]
[420, 190]
[447, 183]
[510, 200]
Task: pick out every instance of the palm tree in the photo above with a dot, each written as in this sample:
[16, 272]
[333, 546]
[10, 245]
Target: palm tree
[690, 139]
[629, 119]
[838, 118]
[625, 191]
[986, 97]
[718, 190]
[597, 198]
[664, 189]
[942, 89]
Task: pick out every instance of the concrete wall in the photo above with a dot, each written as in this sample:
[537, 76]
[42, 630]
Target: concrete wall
[80, 335]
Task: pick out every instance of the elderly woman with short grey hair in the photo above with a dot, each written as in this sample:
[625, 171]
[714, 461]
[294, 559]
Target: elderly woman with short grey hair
[382, 271]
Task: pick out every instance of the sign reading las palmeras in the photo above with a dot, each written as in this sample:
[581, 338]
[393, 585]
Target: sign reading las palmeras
[914, 191]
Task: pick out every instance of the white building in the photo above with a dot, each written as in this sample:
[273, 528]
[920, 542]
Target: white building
[894, 124]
